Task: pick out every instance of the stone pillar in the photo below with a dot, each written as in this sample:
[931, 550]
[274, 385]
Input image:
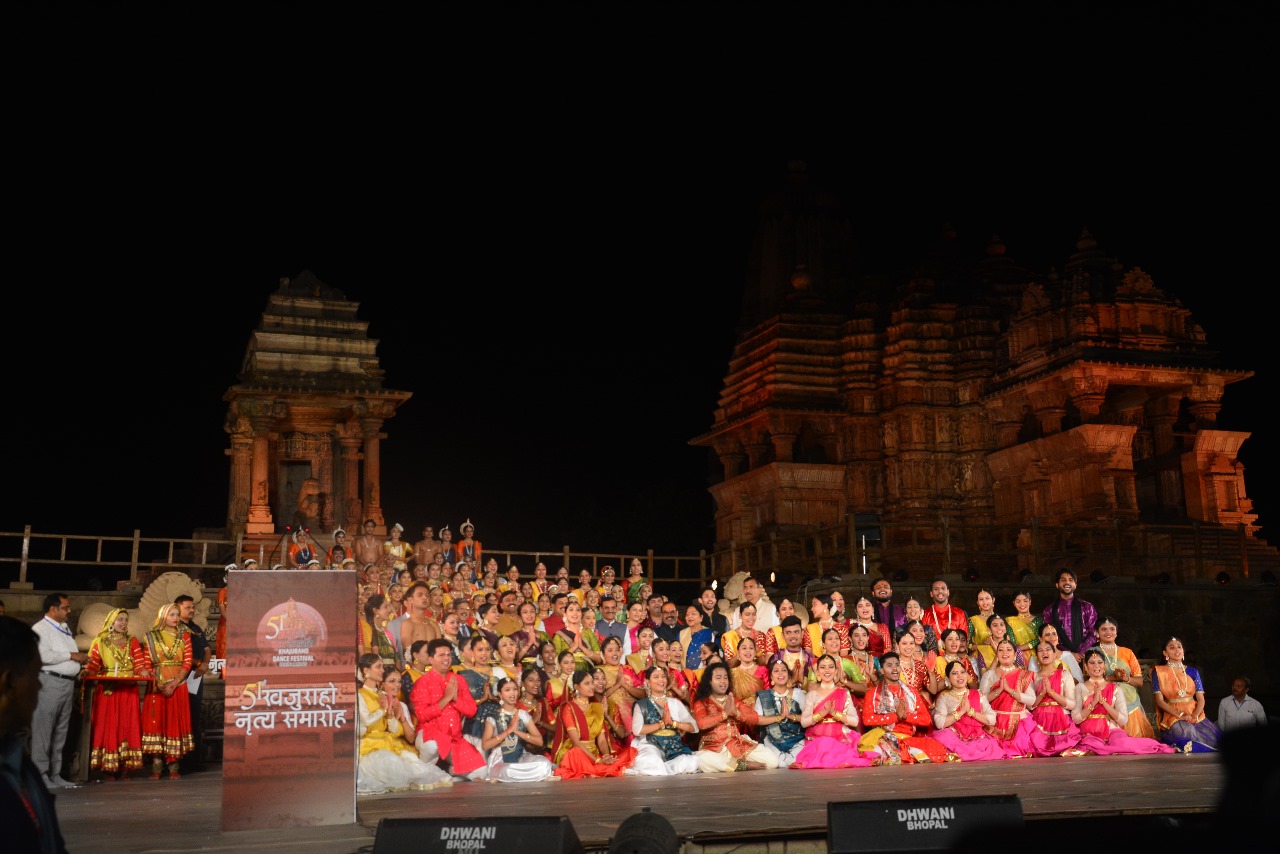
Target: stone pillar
[260, 520]
[350, 515]
[241, 454]
[373, 473]
[784, 446]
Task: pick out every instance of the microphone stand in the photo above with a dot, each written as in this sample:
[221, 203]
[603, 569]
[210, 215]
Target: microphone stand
[283, 537]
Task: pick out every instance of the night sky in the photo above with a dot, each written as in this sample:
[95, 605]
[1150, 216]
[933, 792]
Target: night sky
[559, 286]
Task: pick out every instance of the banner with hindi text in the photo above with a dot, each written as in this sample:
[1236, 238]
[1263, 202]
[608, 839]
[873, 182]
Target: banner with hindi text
[289, 746]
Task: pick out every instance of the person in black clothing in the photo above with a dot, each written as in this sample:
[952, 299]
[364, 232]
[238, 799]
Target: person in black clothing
[711, 616]
[201, 653]
[27, 811]
[670, 626]
[884, 609]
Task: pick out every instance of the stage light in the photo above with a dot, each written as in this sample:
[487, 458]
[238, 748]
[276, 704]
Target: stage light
[773, 576]
[1097, 576]
[899, 575]
[1267, 577]
[1163, 578]
[715, 584]
[645, 832]
[971, 575]
[1223, 577]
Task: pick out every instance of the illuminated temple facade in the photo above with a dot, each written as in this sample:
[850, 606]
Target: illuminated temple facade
[305, 419]
[967, 388]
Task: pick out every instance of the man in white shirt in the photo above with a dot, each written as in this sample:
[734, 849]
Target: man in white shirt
[766, 613]
[1240, 711]
[60, 661]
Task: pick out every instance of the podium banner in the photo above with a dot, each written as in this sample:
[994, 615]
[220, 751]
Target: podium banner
[289, 747]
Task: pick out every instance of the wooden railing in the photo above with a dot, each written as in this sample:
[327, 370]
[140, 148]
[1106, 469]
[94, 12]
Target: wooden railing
[909, 549]
[63, 561]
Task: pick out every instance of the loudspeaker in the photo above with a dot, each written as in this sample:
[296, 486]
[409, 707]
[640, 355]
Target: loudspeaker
[925, 824]
[502, 835]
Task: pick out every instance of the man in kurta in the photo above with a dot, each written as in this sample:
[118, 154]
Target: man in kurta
[442, 704]
[1075, 619]
[797, 659]
[897, 720]
[721, 719]
[941, 614]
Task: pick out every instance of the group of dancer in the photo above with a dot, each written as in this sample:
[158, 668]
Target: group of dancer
[789, 697]
[126, 729]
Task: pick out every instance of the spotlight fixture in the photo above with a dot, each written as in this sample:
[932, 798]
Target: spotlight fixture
[971, 575]
[1163, 578]
[1097, 576]
[1223, 577]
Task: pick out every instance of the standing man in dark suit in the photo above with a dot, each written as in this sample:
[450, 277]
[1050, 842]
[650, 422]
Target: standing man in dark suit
[201, 653]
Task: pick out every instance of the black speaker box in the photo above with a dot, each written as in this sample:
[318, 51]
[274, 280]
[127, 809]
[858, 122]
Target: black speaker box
[922, 824]
[504, 835]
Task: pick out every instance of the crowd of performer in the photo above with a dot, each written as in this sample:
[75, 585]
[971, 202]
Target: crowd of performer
[467, 671]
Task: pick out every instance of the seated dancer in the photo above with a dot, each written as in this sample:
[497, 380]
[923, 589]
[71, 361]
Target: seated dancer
[1048, 730]
[1101, 713]
[510, 735]
[388, 762]
[1179, 696]
[962, 717]
[898, 720]
[1010, 689]
[442, 703]
[830, 719]
[722, 719]
[780, 707]
[659, 723]
[582, 747]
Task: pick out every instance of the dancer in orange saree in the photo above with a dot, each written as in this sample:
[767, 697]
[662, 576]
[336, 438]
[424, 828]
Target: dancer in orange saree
[581, 747]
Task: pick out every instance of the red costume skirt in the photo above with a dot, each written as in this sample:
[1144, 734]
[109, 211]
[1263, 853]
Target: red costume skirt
[166, 724]
[115, 742]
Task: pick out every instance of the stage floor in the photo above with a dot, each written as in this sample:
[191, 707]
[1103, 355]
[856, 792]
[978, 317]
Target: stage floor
[755, 810]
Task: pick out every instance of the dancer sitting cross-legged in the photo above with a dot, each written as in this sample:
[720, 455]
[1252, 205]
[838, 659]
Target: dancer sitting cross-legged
[722, 719]
[897, 720]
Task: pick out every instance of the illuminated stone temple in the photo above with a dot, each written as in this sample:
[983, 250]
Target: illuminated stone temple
[305, 419]
[967, 389]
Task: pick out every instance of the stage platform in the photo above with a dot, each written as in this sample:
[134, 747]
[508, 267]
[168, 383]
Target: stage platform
[755, 811]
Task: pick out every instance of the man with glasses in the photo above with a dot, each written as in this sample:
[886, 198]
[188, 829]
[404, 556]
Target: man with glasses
[669, 627]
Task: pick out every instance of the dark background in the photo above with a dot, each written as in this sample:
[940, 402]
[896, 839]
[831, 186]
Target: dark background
[553, 265]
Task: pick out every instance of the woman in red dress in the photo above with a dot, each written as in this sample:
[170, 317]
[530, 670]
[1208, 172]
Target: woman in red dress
[879, 637]
[116, 740]
[166, 713]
